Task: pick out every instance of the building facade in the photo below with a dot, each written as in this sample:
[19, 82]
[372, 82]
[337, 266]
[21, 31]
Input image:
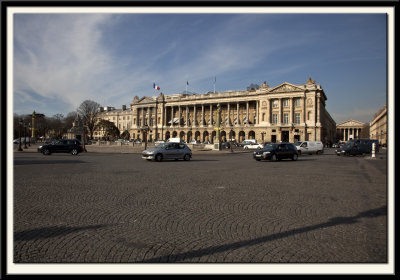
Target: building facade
[378, 126]
[122, 119]
[286, 113]
[351, 129]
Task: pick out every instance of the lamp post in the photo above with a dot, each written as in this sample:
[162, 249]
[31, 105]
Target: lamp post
[29, 129]
[19, 133]
[145, 130]
[25, 147]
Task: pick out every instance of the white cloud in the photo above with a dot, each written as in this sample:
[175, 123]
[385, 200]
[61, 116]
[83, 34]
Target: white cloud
[60, 56]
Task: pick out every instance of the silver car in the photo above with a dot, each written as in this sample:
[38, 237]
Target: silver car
[168, 151]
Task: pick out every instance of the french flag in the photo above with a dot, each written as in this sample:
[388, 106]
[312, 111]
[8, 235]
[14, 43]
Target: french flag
[155, 86]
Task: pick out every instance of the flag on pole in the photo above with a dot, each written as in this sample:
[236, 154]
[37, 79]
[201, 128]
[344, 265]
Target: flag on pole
[187, 83]
[155, 86]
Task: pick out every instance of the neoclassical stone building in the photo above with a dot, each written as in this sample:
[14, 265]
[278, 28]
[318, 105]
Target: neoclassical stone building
[350, 129]
[286, 112]
[378, 126]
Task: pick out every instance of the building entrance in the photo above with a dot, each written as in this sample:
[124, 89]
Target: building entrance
[285, 136]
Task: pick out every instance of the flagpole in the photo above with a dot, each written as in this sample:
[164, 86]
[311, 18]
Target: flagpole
[215, 80]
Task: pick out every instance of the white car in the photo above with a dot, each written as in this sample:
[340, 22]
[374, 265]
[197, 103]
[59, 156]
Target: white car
[253, 146]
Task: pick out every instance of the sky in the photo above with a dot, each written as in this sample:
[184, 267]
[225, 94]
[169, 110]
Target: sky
[61, 60]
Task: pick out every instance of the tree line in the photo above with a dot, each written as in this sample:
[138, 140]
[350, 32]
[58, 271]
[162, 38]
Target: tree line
[56, 126]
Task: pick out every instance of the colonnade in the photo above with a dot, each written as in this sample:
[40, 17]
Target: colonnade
[349, 133]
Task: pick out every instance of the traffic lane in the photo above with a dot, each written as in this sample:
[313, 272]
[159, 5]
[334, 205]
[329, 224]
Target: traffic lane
[209, 209]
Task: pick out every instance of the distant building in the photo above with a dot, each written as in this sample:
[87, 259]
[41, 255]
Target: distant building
[286, 113]
[122, 119]
[378, 126]
[76, 132]
[351, 129]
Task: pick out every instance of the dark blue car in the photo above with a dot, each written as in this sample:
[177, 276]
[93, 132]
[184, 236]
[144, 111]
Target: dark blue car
[276, 151]
[72, 146]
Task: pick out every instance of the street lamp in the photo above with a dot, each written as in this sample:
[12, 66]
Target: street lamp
[145, 130]
[25, 147]
[29, 129]
[19, 133]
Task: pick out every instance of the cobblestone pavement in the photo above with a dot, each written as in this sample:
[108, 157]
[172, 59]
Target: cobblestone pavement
[216, 208]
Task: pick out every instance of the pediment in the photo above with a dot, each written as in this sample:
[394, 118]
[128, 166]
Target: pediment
[286, 87]
[351, 123]
[146, 100]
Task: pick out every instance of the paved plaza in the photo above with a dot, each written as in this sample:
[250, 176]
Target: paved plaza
[220, 207]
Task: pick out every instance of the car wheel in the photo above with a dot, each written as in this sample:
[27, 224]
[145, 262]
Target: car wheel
[186, 157]
[294, 157]
[46, 152]
[159, 157]
[245, 148]
[74, 152]
[273, 158]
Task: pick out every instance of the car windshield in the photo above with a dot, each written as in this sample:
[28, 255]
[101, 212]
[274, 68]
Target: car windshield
[270, 147]
[298, 143]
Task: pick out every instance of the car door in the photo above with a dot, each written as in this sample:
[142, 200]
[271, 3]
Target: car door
[285, 151]
[180, 150]
[170, 151]
[280, 153]
[57, 147]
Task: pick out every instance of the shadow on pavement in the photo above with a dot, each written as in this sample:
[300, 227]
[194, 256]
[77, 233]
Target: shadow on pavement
[382, 211]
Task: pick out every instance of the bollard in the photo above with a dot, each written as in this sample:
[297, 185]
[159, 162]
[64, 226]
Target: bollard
[373, 150]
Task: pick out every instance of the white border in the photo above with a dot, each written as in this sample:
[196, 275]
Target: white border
[28, 269]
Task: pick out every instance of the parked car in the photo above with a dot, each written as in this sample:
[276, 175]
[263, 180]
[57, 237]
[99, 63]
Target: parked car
[158, 142]
[253, 146]
[122, 141]
[309, 147]
[16, 141]
[73, 146]
[225, 145]
[247, 142]
[168, 150]
[276, 151]
[357, 147]
[194, 142]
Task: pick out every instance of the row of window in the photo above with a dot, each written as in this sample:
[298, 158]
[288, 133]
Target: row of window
[285, 102]
[286, 118]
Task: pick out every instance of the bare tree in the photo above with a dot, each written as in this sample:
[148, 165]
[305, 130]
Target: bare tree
[88, 111]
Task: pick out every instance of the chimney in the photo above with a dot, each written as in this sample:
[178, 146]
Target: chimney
[123, 107]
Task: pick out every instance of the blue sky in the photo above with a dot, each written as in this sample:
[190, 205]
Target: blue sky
[60, 60]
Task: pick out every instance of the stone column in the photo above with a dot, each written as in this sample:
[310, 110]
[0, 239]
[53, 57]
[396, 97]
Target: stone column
[211, 115]
[257, 112]
[187, 115]
[202, 115]
[229, 114]
[247, 112]
[237, 113]
[304, 110]
[180, 115]
[172, 116]
[194, 115]
[317, 106]
[291, 114]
